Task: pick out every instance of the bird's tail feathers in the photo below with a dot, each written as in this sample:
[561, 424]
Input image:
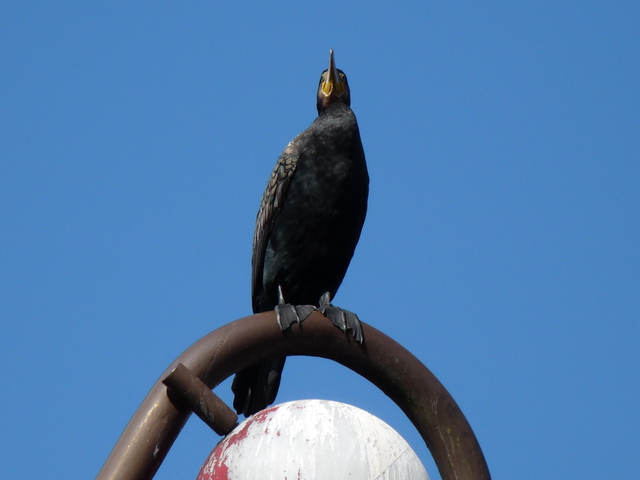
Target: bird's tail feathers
[256, 386]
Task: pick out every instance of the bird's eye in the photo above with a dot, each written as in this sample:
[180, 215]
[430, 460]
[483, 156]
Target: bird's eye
[343, 77]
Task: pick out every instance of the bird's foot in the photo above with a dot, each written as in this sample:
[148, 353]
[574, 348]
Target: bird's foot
[288, 314]
[343, 319]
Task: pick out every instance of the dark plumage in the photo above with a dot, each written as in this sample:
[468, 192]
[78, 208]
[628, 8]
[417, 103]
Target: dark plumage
[308, 225]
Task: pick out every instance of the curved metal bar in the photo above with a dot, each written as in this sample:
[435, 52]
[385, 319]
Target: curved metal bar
[154, 427]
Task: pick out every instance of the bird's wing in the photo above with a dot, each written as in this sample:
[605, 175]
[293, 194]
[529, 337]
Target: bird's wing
[270, 207]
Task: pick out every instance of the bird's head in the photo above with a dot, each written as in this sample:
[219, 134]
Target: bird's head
[333, 86]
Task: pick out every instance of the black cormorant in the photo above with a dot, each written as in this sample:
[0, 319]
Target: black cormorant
[308, 225]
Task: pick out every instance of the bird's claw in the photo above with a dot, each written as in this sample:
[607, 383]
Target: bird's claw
[343, 319]
[304, 311]
[287, 314]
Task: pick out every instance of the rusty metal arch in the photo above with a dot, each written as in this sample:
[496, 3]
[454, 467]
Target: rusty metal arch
[154, 427]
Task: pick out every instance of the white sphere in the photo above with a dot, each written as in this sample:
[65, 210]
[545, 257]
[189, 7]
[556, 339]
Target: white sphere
[313, 440]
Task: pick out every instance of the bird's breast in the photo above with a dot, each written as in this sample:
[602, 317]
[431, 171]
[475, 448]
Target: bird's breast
[319, 224]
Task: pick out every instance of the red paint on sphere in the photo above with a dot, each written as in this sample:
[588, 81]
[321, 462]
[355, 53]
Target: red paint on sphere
[313, 439]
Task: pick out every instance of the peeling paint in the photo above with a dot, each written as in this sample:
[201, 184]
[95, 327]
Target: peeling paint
[313, 439]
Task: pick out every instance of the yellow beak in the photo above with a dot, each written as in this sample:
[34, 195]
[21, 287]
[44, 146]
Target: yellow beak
[332, 83]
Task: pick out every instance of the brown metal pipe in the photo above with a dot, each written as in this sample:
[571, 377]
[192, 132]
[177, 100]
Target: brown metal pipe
[192, 392]
[150, 433]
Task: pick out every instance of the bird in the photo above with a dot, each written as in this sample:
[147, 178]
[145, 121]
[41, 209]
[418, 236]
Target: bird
[308, 225]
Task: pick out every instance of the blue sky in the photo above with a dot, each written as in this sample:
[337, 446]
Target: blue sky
[500, 247]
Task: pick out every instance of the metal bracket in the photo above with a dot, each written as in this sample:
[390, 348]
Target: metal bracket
[154, 427]
[194, 394]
